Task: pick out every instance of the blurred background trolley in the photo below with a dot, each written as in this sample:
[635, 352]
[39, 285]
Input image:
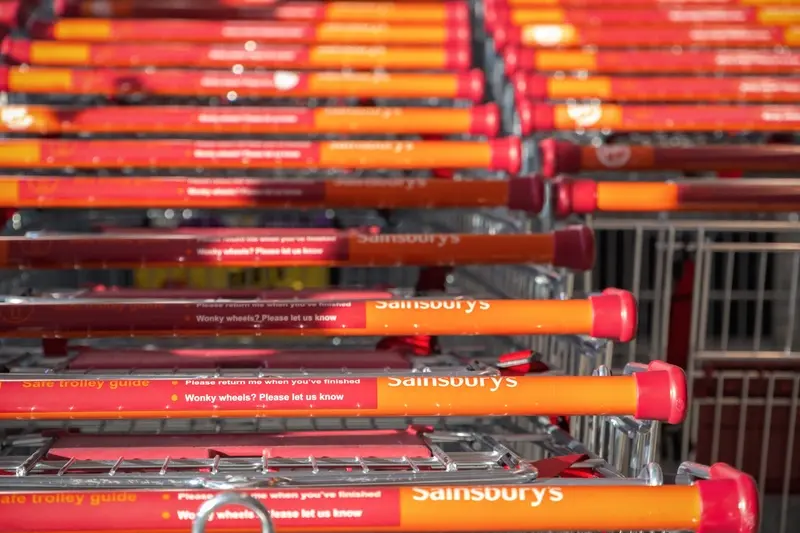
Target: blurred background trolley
[304, 266]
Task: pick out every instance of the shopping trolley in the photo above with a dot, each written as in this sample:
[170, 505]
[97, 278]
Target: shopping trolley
[183, 395]
[622, 87]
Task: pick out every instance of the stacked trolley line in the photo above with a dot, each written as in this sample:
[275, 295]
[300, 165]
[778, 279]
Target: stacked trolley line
[660, 104]
[330, 135]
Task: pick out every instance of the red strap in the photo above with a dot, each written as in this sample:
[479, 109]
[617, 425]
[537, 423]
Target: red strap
[420, 345]
[556, 466]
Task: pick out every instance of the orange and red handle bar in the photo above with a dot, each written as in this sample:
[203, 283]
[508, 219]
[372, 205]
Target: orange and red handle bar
[565, 157]
[571, 247]
[727, 502]
[657, 89]
[239, 31]
[585, 196]
[455, 56]
[604, 4]
[658, 393]
[656, 118]
[525, 194]
[661, 36]
[217, 83]
[651, 61]
[611, 315]
[55, 120]
[644, 16]
[375, 11]
[495, 154]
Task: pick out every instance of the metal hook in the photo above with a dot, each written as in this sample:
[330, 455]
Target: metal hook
[232, 498]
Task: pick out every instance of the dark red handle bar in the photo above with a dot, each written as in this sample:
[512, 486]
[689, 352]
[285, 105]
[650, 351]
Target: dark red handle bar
[525, 194]
[564, 157]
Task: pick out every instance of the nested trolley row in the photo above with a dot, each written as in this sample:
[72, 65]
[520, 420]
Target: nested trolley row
[436, 366]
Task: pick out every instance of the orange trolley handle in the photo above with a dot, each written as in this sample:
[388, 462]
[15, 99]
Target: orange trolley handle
[177, 120]
[545, 36]
[539, 117]
[608, 61]
[561, 157]
[658, 393]
[537, 88]
[494, 154]
[660, 386]
[725, 500]
[449, 56]
[643, 15]
[585, 196]
[241, 31]
[610, 315]
[116, 82]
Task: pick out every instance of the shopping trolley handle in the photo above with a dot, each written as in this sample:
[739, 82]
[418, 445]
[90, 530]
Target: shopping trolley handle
[728, 498]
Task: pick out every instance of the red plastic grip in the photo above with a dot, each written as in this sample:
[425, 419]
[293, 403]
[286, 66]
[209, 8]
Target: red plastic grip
[470, 85]
[15, 50]
[574, 196]
[526, 194]
[485, 120]
[535, 117]
[614, 315]
[531, 86]
[729, 501]
[661, 393]
[506, 154]
[9, 13]
[458, 56]
[574, 248]
[559, 156]
[4, 73]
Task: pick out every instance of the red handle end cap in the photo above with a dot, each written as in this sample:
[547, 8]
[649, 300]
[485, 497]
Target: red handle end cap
[661, 393]
[574, 196]
[614, 315]
[506, 155]
[9, 13]
[526, 194]
[470, 85]
[574, 248]
[485, 120]
[729, 501]
[559, 157]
